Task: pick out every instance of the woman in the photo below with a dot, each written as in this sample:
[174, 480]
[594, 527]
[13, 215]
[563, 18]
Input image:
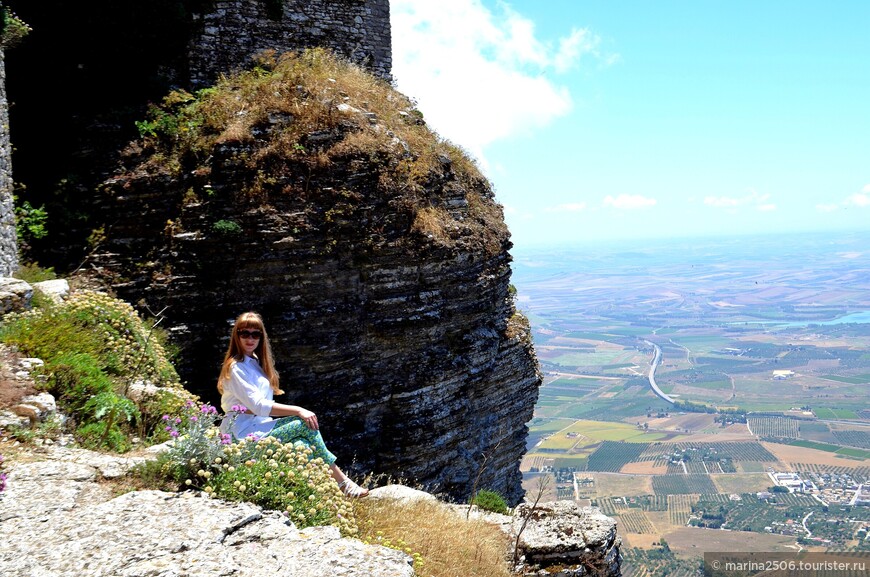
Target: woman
[248, 379]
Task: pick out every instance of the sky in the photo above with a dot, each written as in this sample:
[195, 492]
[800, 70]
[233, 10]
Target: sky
[603, 120]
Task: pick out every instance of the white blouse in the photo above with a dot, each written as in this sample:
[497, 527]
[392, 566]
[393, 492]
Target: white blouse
[249, 387]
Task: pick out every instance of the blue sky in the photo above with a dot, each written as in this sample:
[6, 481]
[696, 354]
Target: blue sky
[600, 120]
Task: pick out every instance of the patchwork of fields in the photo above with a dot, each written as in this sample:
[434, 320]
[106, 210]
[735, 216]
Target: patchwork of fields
[765, 377]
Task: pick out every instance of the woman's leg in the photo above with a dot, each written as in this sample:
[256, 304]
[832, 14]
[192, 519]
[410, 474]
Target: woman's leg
[348, 487]
[294, 430]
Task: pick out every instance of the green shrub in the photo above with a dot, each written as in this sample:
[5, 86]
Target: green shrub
[282, 478]
[226, 227]
[110, 412]
[32, 273]
[30, 222]
[95, 347]
[12, 28]
[46, 333]
[95, 436]
[74, 378]
[490, 501]
[197, 441]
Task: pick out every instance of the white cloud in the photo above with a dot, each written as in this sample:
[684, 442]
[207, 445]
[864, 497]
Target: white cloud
[480, 76]
[568, 207]
[572, 47]
[629, 201]
[753, 199]
[859, 199]
[721, 201]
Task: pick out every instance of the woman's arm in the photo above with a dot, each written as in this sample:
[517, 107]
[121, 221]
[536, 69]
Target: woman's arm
[308, 417]
[243, 387]
[254, 399]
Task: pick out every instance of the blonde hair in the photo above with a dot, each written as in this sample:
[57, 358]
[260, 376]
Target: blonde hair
[263, 352]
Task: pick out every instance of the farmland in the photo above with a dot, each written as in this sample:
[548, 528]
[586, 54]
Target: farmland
[765, 375]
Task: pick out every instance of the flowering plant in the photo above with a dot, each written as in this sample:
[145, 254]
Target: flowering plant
[280, 477]
[195, 439]
[263, 471]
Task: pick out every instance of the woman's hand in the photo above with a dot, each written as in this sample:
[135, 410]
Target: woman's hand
[309, 418]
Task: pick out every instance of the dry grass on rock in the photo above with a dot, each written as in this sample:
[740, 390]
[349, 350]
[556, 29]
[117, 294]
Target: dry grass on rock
[448, 544]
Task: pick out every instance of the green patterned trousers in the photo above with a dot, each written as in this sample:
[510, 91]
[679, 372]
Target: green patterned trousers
[294, 430]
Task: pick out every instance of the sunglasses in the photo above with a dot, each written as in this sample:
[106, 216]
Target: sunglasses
[246, 334]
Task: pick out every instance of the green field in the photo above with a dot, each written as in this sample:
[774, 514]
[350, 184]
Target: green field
[579, 384]
[847, 451]
[590, 359]
[852, 452]
[712, 384]
[828, 413]
[610, 456]
[589, 434]
[855, 380]
[682, 484]
[700, 344]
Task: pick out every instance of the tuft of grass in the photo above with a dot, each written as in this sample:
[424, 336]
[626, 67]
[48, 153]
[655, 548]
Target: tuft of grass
[441, 541]
[433, 223]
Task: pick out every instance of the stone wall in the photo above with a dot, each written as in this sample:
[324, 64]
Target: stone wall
[8, 239]
[238, 29]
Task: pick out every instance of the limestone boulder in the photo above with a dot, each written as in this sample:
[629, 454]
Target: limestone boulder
[400, 493]
[15, 295]
[577, 540]
[56, 290]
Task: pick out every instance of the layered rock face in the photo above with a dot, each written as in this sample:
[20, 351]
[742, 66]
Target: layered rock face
[376, 254]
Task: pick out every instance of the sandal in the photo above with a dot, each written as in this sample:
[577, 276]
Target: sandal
[352, 490]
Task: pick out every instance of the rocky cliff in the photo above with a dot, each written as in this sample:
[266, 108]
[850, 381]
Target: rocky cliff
[310, 191]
